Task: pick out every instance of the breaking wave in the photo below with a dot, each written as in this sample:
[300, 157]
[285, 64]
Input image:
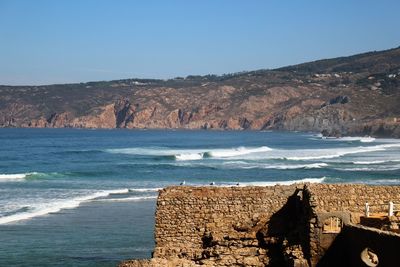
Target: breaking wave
[127, 199]
[58, 205]
[32, 175]
[362, 139]
[144, 189]
[227, 153]
[312, 154]
[272, 183]
[152, 151]
[17, 176]
[374, 162]
[190, 154]
[237, 165]
[249, 153]
[369, 162]
[297, 166]
[245, 165]
[371, 169]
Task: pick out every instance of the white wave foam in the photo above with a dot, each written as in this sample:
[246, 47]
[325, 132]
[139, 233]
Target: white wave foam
[362, 139]
[388, 140]
[368, 169]
[153, 151]
[13, 176]
[298, 166]
[189, 156]
[390, 145]
[235, 162]
[315, 165]
[232, 165]
[272, 183]
[222, 153]
[58, 205]
[366, 139]
[145, 189]
[245, 165]
[227, 153]
[311, 154]
[256, 153]
[127, 199]
[369, 162]
[16, 176]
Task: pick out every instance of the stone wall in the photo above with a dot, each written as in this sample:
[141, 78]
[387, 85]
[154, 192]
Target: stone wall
[351, 197]
[260, 226]
[217, 225]
[343, 201]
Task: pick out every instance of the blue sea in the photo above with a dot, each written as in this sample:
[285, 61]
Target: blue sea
[71, 197]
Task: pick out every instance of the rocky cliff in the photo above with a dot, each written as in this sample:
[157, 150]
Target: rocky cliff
[355, 95]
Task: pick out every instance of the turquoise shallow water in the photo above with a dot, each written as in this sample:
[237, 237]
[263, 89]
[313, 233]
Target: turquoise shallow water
[87, 197]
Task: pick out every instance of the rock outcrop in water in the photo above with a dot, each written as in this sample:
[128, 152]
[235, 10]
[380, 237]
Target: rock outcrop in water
[355, 95]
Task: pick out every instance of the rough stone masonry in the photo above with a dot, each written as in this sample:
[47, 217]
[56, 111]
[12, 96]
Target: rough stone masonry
[267, 226]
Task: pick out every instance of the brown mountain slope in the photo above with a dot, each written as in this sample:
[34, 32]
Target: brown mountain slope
[357, 95]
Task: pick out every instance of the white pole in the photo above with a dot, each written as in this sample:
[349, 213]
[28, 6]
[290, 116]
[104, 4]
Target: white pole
[366, 209]
[391, 208]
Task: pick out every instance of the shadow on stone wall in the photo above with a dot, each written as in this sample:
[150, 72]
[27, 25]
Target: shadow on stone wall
[346, 249]
[286, 237]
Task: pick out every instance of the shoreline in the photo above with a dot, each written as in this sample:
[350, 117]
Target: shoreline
[208, 130]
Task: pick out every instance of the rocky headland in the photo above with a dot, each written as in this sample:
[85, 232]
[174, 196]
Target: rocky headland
[356, 95]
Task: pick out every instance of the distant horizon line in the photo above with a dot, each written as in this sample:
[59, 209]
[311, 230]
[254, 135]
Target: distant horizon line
[209, 74]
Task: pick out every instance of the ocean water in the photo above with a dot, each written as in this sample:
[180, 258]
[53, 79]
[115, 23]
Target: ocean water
[71, 197]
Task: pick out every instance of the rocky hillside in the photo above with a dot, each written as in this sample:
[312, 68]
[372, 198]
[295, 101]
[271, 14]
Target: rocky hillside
[356, 95]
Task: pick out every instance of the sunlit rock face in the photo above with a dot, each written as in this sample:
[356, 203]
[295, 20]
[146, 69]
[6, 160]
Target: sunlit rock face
[356, 95]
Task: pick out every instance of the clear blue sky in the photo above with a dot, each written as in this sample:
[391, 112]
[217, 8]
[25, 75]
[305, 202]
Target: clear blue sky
[60, 41]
